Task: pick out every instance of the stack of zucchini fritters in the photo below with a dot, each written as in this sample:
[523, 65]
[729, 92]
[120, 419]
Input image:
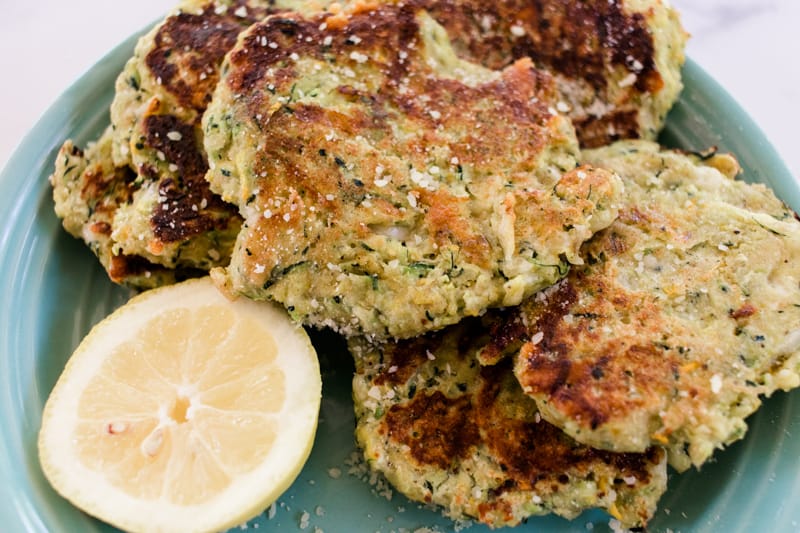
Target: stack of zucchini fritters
[544, 306]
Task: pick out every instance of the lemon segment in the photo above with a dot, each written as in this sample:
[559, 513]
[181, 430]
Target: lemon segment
[182, 411]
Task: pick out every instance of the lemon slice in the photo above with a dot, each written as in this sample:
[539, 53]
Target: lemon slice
[182, 411]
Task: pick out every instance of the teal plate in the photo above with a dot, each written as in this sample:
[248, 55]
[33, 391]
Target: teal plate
[52, 291]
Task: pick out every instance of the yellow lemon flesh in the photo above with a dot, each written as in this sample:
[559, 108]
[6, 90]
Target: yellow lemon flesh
[182, 411]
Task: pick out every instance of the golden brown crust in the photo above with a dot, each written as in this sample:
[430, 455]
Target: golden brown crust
[136, 271]
[186, 207]
[88, 190]
[187, 51]
[585, 375]
[441, 431]
[680, 319]
[156, 212]
[591, 46]
[577, 39]
[172, 218]
[391, 34]
[387, 186]
[438, 430]
[184, 59]
[188, 47]
[446, 431]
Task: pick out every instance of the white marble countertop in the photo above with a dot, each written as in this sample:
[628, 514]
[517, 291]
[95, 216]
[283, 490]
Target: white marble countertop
[749, 46]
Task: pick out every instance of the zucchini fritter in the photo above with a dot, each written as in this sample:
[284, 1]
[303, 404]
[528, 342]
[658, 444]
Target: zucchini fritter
[88, 190]
[160, 97]
[447, 431]
[388, 187]
[165, 217]
[616, 62]
[685, 313]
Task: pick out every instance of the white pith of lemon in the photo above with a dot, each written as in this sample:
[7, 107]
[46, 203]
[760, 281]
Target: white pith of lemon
[182, 411]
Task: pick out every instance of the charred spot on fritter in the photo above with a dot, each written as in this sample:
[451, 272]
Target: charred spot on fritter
[404, 357]
[177, 141]
[104, 191]
[506, 332]
[610, 127]
[189, 47]
[392, 29]
[581, 373]
[574, 38]
[124, 267]
[533, 451]
[617, 62]
[187, 207]
[438, 430]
